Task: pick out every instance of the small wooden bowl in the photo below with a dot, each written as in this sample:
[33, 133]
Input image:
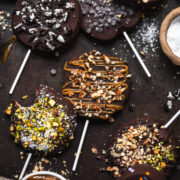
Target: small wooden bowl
[163, 36]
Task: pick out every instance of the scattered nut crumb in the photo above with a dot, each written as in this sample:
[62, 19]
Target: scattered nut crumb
[94, 150]
[143, 53]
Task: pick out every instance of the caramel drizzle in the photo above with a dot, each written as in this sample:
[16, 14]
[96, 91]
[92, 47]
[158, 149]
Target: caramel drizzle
[102, 110]
[5, 49]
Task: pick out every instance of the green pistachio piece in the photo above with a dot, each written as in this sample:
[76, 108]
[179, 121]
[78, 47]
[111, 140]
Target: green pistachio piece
[60, 106]
[19, 128]
[39, 103]
[51, 102]
[25, 97]
[55, 124]
[48, 125]
[25, 144]
[19, 116]
[39, 116]
[41, 128]
[18, 110]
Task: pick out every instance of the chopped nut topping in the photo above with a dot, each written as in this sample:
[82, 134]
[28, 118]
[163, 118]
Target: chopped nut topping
[140, 145]
[93, 80]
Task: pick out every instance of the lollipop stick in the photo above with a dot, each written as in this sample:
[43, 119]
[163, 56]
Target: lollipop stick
[137, 54]
[172, 119]
[80, 145]
[20, 71]
[25, 166]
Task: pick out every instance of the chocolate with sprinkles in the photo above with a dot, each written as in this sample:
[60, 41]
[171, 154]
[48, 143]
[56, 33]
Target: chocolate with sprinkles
[104, 19]
[45, 25]
[46, 126]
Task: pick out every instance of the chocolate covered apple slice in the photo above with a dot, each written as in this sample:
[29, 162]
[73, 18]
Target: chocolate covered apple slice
[142, 141]
[96, 84]
[105, 20]
[46, 26]
[47, 125]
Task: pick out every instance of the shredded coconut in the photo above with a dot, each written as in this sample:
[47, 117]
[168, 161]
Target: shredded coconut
[173, 39]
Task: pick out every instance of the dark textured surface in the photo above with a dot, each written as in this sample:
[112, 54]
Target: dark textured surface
[148, 96]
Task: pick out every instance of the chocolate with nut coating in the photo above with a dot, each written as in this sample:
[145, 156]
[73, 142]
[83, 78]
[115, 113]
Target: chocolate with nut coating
[46, 26]
[142, 141]
[47, 125]
[96, 84]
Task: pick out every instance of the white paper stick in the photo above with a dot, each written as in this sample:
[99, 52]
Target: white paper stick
[25, 166]
[20, 71]
[172, 119]
[137, 54]
[80, 145]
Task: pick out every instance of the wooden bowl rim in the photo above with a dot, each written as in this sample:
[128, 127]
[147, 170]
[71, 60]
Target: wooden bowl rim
[163, 36]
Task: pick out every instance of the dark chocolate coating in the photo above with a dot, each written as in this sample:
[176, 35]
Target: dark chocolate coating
[73, 21]
[145, 172]
[142, 3]
[70, 120]
[129, 18]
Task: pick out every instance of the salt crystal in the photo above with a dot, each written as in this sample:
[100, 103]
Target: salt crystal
[147, 36]
[173, 39]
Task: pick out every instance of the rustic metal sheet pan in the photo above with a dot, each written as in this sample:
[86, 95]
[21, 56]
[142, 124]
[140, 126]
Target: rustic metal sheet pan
[148, 97]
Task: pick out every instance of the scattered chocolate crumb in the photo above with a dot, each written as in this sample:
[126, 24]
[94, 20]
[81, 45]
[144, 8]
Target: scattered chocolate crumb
[4, 20]
[131, 107]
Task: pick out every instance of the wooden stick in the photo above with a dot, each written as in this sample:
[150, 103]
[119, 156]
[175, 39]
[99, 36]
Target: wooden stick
[172, 119]
[80, 145]
[25, 166]
[20, 71]
[137, 54]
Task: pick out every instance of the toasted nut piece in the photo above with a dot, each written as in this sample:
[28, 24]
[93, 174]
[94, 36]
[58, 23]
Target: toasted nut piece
[82, 94]
[114, 168]
[143, 53]
[8, 111]
[156, 151]
[106, 59]
[163, 164]
[94, 150]
[147, 140]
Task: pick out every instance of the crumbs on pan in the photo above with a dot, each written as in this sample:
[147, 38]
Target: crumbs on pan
[5, 20]
[171, 98]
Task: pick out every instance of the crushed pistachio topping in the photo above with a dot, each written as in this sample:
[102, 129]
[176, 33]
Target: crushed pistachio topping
[141, 145]
[42, 126]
